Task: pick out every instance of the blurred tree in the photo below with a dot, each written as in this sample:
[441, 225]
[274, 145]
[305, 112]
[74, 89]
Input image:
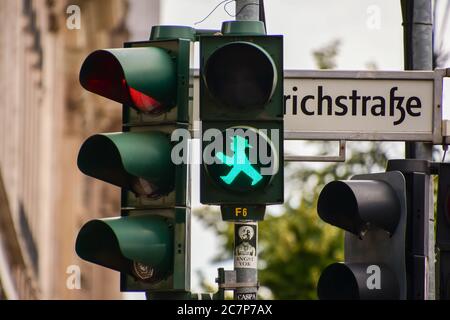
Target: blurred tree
[325, 57]
[295, 245]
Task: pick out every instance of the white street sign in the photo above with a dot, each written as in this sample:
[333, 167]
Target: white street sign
[363, 105]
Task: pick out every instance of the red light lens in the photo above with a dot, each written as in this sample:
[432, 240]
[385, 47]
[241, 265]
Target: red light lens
[142, 101]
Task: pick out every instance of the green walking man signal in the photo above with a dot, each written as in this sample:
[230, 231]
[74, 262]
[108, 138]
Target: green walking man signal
[239, 162]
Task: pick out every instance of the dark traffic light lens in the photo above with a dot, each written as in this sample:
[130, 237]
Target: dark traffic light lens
[338, 282]
[354, 281]
[241, 75]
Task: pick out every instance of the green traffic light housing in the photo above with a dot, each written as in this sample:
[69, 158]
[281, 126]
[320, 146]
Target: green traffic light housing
[136, 161]
[149, 243]
[241, 87]
[141, 246]
[241, 74]
[248, 167]
[151, 250]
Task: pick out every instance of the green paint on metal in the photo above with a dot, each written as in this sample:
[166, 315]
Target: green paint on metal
[179, 278]
[246, 28]
[137, 161]
[239, 162]
[117, 243]
[172, 32]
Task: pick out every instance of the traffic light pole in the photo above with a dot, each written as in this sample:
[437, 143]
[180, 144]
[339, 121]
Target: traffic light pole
[247, 10]
[246, 234]
[246, 260]
[418, 50]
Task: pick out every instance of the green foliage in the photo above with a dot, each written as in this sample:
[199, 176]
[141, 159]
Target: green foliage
[295, 247]
[325, 57]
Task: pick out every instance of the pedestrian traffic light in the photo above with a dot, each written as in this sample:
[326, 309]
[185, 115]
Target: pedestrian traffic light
[443, 232]
[149, 243]
[372, 209]
[241, 109]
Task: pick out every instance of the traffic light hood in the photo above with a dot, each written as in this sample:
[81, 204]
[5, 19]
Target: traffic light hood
[120, 243]
[137, 161]
[356, 205]
[143, 78]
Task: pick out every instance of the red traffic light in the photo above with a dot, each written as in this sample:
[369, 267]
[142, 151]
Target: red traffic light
[142, 78]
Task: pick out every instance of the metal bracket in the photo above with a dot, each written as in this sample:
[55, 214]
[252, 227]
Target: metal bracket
[227, 281]
[235, 285]
[413, 166]
[340, 158]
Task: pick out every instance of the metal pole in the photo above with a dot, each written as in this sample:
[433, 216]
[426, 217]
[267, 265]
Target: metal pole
[418, 51]
[247, 10]
[246, 234]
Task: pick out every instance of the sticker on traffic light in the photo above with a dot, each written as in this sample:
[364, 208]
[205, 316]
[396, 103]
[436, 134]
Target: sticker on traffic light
[246, 241]
[241, 159]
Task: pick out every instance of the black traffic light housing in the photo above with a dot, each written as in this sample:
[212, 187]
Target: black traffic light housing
[443, 232]
[372, 209]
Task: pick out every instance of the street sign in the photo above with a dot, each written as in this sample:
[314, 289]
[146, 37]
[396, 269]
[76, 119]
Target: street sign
[364, 105]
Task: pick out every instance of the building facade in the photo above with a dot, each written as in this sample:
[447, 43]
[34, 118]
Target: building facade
[45, 116]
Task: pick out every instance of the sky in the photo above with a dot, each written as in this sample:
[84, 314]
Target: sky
[370, 32]
[309, 25]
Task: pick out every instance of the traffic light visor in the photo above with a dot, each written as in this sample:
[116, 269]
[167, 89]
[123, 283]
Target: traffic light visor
[137, 161]
[241, 75]
[357, 205]
[120, 243]
[142, 78]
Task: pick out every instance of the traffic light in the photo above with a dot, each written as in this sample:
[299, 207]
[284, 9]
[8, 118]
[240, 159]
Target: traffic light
[241, 109]
[149, 243]
[443, 232]
[372, 209]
